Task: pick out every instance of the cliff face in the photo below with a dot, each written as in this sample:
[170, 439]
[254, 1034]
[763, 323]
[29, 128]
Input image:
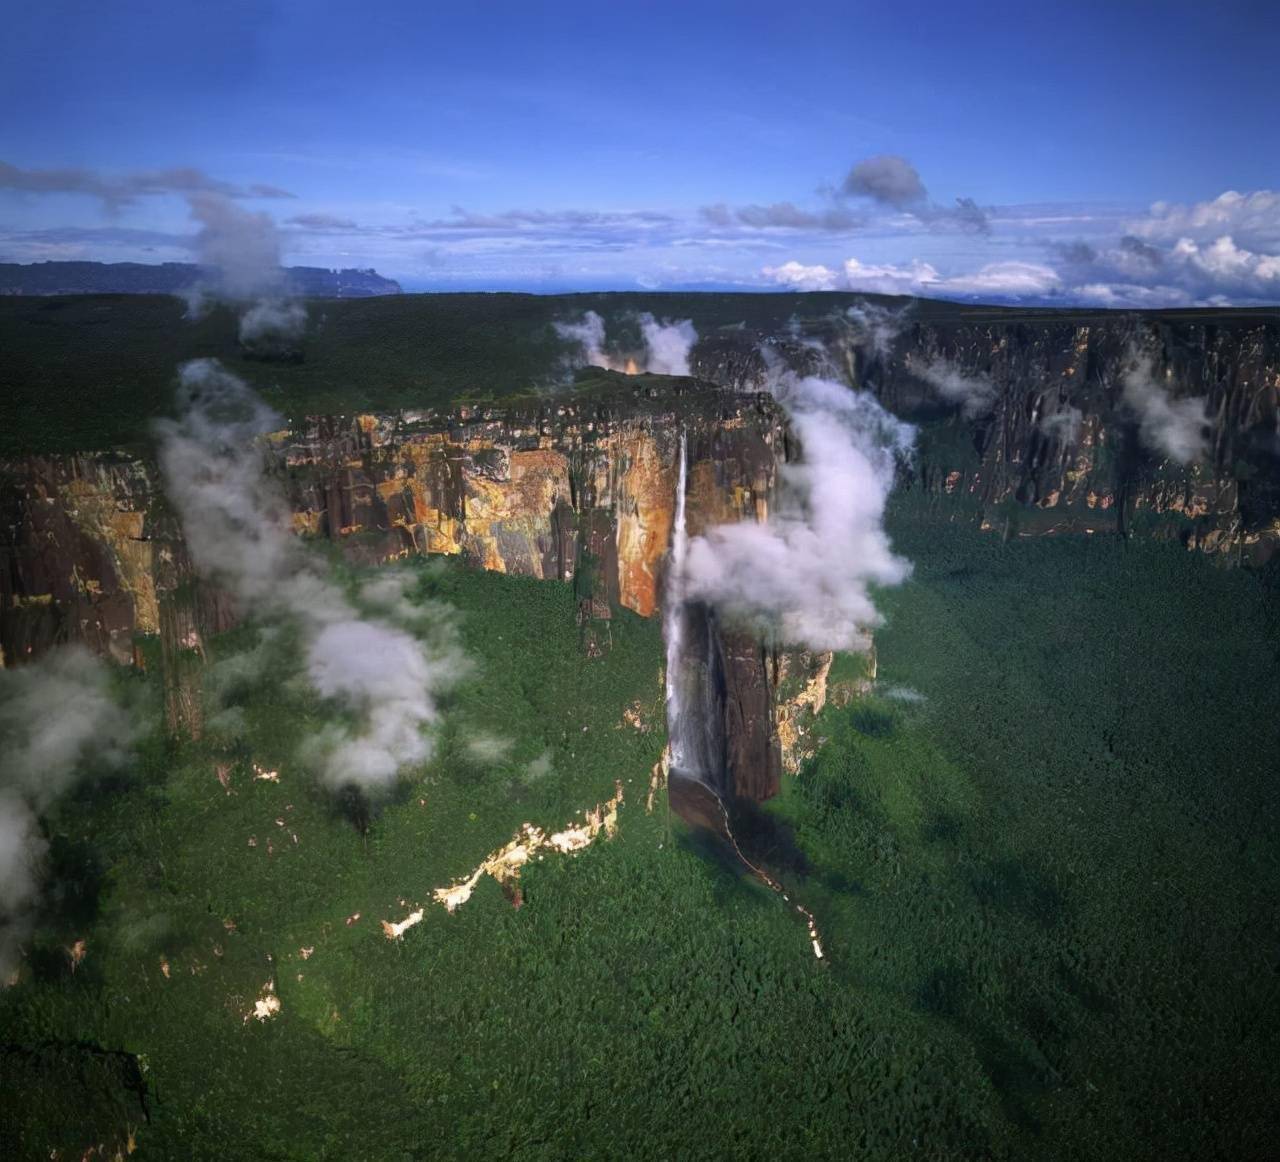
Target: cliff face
[581, 487]
[580, 490]
[1011, 470]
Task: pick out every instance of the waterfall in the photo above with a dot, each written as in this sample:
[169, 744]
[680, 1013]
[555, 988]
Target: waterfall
[690, 775]
[674, 618]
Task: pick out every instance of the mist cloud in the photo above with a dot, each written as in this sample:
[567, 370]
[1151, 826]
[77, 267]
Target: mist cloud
[666, 344]
[242, 248]
[273, 327]
[1169, 426]
[875, 327]
[238, 528]
[805, 575]
[58, 722]
[1064, 425]
[974, 393]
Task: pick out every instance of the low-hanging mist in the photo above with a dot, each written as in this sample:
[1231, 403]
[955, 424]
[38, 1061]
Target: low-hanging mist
[242, 249]
[58, 722]
[359, 654]
[665, 345]
[1168, 426]
[975, 394]
[804, 576]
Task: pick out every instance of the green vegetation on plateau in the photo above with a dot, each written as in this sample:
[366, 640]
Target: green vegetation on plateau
[89, 372]
[1046, 891]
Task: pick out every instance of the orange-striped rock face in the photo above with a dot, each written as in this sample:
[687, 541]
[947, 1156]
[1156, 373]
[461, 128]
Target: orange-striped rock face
[645, 512]
[545, 491]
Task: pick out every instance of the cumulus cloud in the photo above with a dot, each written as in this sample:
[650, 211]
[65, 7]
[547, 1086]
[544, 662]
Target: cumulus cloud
[116, 191]
[889, 279]
[798, 276]
[1005, 280]
[488, 749]
[1228, 268]
[805, 575]
[1216, 252]
[1222, 251]
[887, 179]
[237, 526]
[994, 281]
[1253, 218]
[665, 344]
[58, 722]
[1169, 426]
[974, 393]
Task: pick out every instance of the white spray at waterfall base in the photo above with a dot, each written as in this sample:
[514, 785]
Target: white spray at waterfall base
[238, 529]
[804, 577]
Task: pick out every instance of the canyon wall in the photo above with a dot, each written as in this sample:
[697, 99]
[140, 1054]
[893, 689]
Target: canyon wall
[1010, 470]
[578, 489]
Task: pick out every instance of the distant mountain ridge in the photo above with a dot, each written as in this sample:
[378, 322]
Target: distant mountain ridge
[141, 278]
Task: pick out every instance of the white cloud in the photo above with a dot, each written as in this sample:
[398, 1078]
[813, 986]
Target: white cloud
[797, 276]
[994, 280]
[238, 528]
[1253, 217]
[58, 720]
[974, 393]
[805, 575]
[665, 344]
[1006, 280]
[1225, 265]
[1170, 426]
[916, 278]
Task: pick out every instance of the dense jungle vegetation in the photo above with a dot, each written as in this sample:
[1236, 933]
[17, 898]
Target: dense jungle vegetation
[1042, 855]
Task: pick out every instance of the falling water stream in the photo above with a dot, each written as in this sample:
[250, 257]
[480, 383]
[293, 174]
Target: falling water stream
[674, 618]
[681, 754]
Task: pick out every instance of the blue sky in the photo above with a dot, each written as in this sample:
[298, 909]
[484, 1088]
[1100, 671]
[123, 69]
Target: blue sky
[544, 146]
